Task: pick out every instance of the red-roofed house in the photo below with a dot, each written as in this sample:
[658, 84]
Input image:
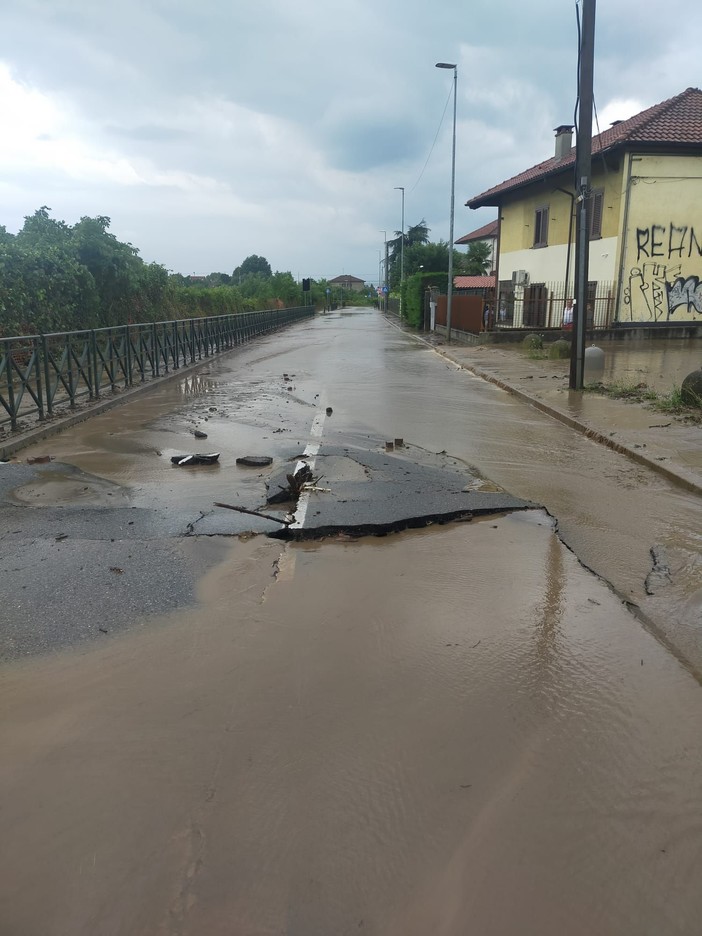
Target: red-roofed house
[645, 223]
[346, 281]
[486, 233]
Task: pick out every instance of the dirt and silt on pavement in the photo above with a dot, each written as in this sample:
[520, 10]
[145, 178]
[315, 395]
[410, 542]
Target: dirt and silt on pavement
[380, 384]
[331, 740]
[385, 735]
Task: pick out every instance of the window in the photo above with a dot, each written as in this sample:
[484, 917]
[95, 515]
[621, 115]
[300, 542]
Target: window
[596, 206]
[540, 227]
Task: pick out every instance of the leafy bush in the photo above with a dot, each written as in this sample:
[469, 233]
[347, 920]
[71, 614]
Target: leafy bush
[559, 349]
[413, 295]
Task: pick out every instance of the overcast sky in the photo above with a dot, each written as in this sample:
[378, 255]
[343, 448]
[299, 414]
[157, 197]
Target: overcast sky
[208, 130]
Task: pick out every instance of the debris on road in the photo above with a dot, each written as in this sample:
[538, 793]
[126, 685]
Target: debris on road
[253, 513]
[255, 461]
[199, 434]
[659, 576]
[40, 460]
[286, 487]
[188, 460]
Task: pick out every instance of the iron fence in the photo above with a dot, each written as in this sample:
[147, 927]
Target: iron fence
[39, 372]
[544, 305]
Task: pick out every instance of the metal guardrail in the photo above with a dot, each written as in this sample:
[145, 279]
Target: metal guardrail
[39, 372]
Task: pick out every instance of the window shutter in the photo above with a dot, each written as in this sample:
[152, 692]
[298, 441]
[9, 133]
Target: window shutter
[541, 227]
[596, 206]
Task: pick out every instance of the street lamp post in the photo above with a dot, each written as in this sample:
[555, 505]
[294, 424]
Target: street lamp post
[449, 292]
[385, 281]
[401, 188]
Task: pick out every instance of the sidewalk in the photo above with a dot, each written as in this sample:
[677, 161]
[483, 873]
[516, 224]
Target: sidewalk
[666, 443]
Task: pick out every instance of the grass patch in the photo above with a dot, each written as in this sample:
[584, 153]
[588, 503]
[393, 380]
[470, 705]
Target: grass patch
[536, 354]
[670, 402]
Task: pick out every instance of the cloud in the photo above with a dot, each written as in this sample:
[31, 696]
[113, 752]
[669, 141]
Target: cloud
[212, 130]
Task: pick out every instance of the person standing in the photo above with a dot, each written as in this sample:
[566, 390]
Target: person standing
[568, 313]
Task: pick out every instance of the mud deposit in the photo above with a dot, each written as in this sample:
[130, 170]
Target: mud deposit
[331, 743]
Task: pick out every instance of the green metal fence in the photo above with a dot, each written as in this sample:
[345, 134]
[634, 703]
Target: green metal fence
[39, 372]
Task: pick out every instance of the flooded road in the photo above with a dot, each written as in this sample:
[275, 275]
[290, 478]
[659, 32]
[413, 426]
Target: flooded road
[334, 742]
[451, 730]
[382, 384]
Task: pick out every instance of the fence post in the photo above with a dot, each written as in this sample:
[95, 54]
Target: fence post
[127, 357]
[37, 377]
[69, 373]
[47, 382]
[92, 365]
[10, 388]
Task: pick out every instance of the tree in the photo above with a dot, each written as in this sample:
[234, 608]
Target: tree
[477, 260]
[415, 235]
[252, 266]
[115, 266]
[218, 279]
[429, 257]
[41, 230]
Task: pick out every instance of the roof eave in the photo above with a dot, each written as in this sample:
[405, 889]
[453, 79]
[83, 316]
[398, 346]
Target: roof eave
[495, 200]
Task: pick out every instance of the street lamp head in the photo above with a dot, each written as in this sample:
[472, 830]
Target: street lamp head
[399, 188]
[445, 65]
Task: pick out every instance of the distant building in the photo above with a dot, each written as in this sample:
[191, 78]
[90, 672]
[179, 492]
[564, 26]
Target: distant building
[486, 234]
[348, 282]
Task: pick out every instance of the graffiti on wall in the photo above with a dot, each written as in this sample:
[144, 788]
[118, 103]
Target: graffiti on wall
[664, 284]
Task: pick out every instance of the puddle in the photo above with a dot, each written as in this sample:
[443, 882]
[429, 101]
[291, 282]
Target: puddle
[63, 485]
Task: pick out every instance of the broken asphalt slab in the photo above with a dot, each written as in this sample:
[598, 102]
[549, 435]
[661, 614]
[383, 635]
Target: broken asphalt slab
[361, 492]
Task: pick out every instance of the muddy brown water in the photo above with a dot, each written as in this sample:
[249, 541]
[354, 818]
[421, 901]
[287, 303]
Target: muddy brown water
[333, 743]
[449, 731]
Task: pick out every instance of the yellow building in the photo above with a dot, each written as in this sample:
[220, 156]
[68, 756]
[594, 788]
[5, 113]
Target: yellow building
[645, 207]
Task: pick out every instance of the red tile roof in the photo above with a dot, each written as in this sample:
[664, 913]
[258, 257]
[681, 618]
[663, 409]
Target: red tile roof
[487, 230]
[474, 282]
[675, 122]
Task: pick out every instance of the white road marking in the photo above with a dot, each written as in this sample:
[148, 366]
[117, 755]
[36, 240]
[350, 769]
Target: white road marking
[311, 451]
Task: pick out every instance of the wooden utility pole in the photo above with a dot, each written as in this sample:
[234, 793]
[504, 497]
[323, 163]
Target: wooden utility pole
[583, 170]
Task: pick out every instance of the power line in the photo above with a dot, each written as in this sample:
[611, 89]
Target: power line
[438, 130]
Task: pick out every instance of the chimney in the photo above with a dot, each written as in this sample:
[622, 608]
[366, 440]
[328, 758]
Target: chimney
[564, 140]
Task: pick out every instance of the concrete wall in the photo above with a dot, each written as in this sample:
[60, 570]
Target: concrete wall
[661, 257]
